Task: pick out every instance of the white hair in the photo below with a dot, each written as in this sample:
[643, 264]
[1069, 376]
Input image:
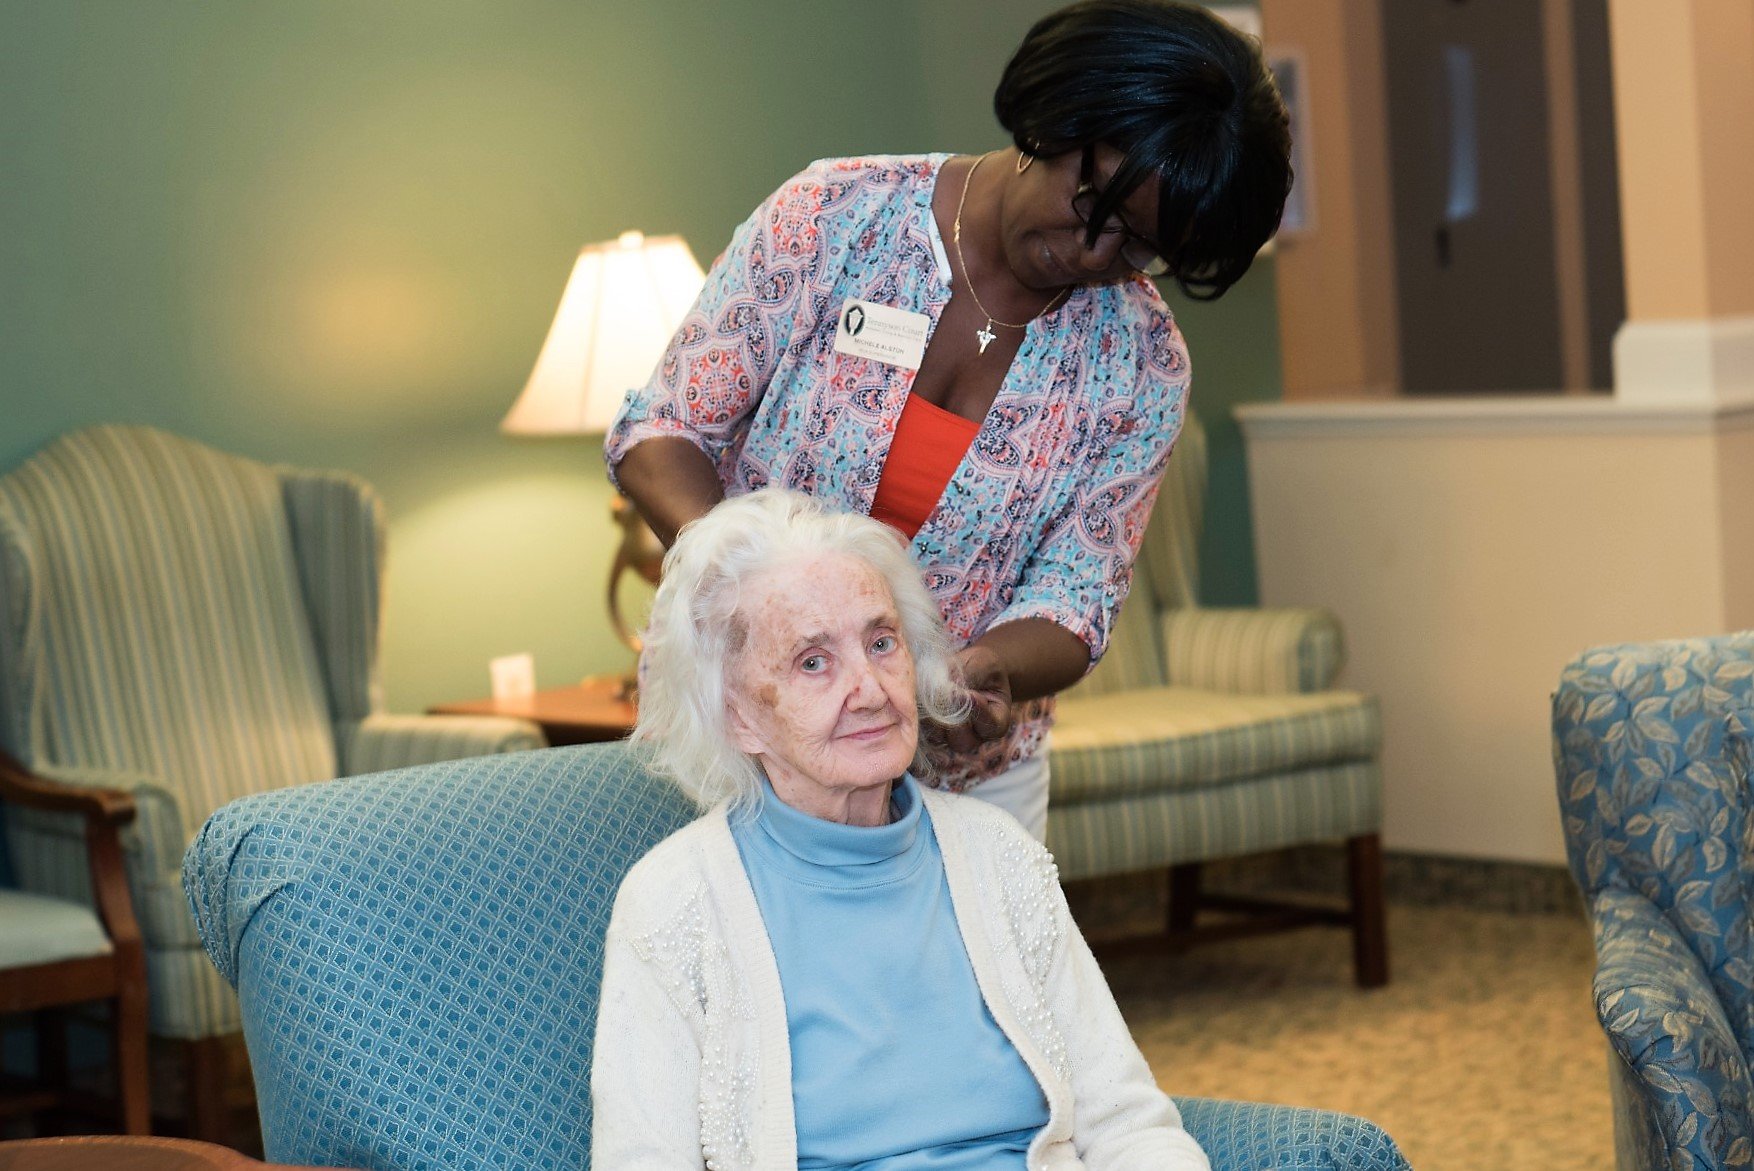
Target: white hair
[697, 631]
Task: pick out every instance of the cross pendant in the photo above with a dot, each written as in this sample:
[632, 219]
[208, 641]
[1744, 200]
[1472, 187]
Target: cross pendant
[986, 334]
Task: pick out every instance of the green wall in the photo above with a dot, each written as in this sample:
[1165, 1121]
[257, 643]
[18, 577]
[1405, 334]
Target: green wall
[1234, 347]
[334, 234]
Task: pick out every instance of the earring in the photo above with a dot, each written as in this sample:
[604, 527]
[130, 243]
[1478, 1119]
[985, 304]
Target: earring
[1024, 161]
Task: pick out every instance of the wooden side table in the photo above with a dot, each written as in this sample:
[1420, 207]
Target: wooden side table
[586, 713]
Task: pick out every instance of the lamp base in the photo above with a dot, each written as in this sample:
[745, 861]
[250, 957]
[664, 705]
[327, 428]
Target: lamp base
[640, 553]
[626, 688]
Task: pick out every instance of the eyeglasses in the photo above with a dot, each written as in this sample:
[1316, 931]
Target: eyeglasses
[1138, 252]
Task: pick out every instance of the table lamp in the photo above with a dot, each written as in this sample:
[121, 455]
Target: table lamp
[623, 301]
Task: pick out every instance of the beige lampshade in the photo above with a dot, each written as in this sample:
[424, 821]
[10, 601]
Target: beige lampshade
[624, 300]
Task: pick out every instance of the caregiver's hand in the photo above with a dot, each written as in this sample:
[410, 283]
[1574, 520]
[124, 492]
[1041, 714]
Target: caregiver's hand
[1010, 663]
[988, 684]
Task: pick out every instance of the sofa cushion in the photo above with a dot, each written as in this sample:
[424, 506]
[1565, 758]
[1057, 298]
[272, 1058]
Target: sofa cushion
[1166, 738]
[1147, 832]
[47, 931]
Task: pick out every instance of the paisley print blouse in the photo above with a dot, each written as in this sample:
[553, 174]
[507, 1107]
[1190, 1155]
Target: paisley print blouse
[1045, 514]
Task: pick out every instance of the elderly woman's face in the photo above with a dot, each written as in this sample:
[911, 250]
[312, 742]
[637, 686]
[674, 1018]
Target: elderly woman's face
[822, 693]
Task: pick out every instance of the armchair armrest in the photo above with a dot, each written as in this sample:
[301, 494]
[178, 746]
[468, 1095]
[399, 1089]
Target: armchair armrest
[1252, 651]
[153, 837]
[105, 811]
[64, 795]
[1666, 1023]
[382, 742]
[1253, 1136]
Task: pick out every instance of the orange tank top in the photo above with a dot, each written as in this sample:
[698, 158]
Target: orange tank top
[929, 443]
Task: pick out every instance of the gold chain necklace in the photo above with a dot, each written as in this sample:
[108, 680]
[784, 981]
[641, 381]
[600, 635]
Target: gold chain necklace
[986, 334]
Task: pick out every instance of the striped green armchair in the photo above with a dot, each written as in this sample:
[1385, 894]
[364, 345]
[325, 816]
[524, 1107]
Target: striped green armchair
[190, 627]
[1208, 734]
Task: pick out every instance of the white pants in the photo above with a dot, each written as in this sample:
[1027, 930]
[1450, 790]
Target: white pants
[1021, 791]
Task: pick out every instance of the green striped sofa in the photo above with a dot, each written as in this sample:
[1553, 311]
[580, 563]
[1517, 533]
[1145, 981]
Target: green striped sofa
[190, 627]
[1207, 734]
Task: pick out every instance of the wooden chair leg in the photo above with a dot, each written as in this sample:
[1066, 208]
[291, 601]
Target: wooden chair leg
[51, 1030]
[50, 1025]
[1370, 940]
[209, 1120]
[128, 1035]
[1184, 896]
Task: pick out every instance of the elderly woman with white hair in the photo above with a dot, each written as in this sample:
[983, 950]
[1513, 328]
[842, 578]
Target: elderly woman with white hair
[835, 966]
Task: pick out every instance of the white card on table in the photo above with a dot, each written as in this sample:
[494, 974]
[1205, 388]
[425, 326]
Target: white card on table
[514, 676]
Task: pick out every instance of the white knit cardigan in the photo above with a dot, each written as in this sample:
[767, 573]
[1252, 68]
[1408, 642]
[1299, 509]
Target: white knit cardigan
[693, 1062]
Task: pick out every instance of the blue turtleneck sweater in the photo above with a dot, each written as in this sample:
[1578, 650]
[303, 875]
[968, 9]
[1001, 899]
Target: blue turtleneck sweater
[896, 1063]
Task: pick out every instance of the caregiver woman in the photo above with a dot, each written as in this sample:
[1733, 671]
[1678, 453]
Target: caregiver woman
[970, 349]
[834, 967]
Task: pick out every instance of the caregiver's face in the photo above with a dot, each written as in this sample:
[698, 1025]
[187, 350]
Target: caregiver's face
[822, 693]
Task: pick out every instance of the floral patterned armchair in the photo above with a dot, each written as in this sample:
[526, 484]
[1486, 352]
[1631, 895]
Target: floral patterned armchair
[1652, 751]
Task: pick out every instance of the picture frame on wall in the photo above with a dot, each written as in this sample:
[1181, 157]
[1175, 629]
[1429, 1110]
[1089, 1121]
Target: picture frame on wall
[1244, 18]
[1291, 72]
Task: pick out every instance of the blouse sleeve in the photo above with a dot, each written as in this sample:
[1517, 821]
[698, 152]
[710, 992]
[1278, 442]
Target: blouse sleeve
[1080, 572]
[754, 305]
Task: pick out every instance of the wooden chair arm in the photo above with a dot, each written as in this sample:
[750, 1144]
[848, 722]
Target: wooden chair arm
[22, 787]
[105, 812]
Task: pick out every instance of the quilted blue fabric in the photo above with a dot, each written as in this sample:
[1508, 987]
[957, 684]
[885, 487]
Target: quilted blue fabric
[1259, 1137]
[417, 955]
[1651, 750]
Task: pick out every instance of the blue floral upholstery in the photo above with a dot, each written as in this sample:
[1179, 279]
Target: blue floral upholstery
[417, 954]
[1652, 750]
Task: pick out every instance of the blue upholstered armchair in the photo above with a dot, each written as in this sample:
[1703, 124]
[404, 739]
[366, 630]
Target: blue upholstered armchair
[418, 954]
[186, 627]
[1652, 751]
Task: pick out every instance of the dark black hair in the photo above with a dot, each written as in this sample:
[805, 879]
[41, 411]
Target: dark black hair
[1182, 95]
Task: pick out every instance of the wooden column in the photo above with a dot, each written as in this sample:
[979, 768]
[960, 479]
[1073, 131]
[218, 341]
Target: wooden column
[1338, 328]
[1684, 99]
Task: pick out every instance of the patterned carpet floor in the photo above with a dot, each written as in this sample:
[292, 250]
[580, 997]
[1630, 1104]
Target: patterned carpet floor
[1482, 1052]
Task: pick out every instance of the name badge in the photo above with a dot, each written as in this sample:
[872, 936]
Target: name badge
[881, 332]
